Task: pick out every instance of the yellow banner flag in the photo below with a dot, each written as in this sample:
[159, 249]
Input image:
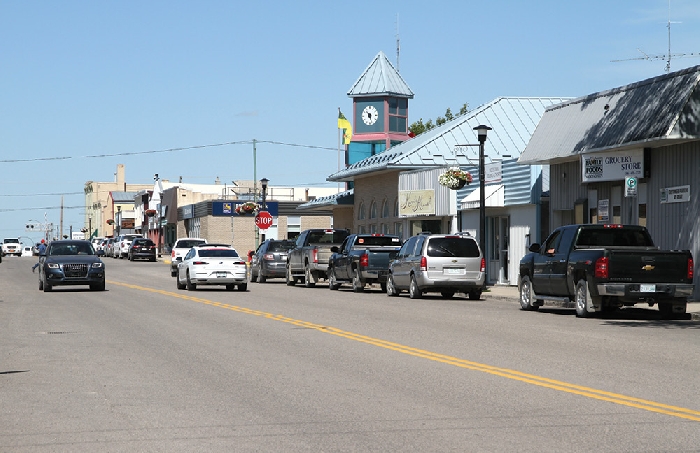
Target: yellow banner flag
[345, 125]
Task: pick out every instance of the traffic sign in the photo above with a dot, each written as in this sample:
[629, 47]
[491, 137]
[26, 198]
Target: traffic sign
[630, 186]
[263, 220]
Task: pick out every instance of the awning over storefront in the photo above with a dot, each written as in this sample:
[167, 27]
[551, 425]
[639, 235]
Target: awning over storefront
[494, 197]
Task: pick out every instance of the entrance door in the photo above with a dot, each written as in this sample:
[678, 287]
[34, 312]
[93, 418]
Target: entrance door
[498, 258]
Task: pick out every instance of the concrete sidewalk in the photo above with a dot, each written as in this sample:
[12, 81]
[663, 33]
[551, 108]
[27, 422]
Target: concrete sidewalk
[511, 293]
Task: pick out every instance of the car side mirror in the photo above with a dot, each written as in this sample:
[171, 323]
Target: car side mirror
[179, 258]
[535, 248]
[335, 249]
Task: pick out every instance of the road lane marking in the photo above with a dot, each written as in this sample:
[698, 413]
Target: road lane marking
[532, 379]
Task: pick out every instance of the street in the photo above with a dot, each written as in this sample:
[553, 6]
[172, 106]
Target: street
[143, 366]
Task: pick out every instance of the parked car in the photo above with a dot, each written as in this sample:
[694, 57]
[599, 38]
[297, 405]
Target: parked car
[11, 246]
[308, 260]
[122, 243]
[212, 264]
[142, 248]
[27, 251]
[108, 247]
[362, 259]
[71, 262]
[443, 263]
[598, 268]
[180, 249]
[270, 260]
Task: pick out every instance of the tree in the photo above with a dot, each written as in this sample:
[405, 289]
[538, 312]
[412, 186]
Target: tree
[418, 127]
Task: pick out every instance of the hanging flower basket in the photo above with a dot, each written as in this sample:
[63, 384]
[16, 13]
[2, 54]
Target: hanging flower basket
[110, 222]
[150, 212]
[247, 208]
[455, 178]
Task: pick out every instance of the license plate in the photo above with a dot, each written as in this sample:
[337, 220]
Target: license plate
[221, 274]
[647, 288]
[454, 271]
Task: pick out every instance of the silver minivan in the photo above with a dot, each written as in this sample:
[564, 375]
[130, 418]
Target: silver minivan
[438, 263]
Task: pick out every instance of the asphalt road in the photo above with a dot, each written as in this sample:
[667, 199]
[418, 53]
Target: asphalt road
[146, 367]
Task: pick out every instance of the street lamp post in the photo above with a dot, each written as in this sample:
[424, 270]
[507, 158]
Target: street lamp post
[481, 131]
[263, 184]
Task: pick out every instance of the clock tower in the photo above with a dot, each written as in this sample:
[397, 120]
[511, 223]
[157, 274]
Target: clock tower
[380, 110]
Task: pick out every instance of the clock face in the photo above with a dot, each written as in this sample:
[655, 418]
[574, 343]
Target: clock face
[370, 115]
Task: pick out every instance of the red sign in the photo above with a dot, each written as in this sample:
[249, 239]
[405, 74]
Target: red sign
[263, 220]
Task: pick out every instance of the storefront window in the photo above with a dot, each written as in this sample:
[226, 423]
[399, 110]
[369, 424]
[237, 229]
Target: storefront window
[361, 212]
[373, 210]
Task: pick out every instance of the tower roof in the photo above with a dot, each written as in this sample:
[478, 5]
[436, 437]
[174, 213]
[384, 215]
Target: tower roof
[380, 79]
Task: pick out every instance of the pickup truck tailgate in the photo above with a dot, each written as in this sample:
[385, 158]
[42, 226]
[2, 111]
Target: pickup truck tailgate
[380, 258]
[648, 266]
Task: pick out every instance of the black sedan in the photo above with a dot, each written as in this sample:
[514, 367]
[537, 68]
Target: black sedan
[142, 248]
[71, 262]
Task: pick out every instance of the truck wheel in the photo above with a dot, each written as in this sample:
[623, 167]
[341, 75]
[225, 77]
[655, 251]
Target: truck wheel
[391, 290]
[526, 302]
[474, 295]
[382, 286]
[333, 284]
[583, 299]
[670, 310]
[308, 277]
[179, 285]
[260, 277]
[447, 294]
[288, 276]
[357, 284]
[413, 291]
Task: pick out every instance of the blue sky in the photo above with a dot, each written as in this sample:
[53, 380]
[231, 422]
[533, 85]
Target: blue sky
[126, 80]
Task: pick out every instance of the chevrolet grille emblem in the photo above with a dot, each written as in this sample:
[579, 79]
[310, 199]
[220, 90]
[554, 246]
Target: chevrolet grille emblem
[648, 267]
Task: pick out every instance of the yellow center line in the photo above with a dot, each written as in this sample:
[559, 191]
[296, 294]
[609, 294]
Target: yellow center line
[540, 381]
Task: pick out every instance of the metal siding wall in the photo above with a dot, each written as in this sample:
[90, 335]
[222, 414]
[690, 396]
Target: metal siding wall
[425, 180]
[522, 222]
[565, 190]
[519, 183]
[675, 225]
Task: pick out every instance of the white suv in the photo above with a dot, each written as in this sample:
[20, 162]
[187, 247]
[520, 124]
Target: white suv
[180, 249]
[122, 243]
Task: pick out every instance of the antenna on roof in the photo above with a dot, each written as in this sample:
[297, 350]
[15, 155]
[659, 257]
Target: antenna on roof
[398, 45]
[668, 56]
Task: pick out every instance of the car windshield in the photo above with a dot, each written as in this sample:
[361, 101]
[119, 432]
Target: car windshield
[218, 253]
[453, 247]
[327, 237]
[188, 243]
[281, 246]
[71, 249]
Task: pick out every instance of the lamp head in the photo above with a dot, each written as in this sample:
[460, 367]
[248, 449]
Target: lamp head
[263, 183]
[481, 132]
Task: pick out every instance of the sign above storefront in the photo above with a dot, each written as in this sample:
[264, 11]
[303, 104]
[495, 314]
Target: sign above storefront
[416, 202]
[493, 173]
[612, 165]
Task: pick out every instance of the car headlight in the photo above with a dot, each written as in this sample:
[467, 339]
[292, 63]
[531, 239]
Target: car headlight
[97, 265]
[53, 266]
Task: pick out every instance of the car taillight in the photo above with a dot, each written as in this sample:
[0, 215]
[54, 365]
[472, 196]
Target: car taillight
[268, 257]
[172, 254]
[364, 260]
[691, 269]
[423, 263]
[601, 267]
[199, 262]
[315, 256]
[483, 265]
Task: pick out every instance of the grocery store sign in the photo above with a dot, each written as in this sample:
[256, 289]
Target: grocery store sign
[612, 166]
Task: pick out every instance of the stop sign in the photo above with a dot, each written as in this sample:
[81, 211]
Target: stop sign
[263, 220]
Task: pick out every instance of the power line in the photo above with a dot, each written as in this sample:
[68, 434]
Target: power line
[168, 150]
[40, 194]
[41, 209]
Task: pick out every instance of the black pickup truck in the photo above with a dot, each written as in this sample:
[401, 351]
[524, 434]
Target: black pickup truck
[362, 259]
[601, 268]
